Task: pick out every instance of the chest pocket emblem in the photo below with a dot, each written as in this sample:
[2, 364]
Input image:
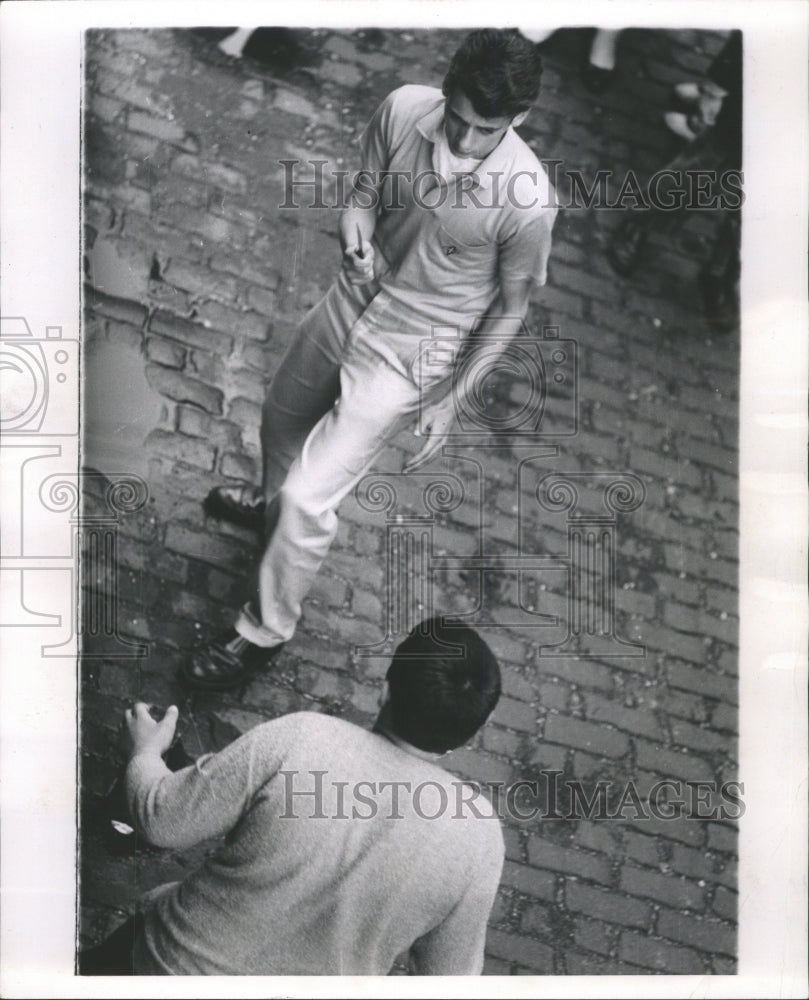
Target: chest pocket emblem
[450, 251]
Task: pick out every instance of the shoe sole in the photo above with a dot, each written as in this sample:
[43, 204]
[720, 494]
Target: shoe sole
[214, 506]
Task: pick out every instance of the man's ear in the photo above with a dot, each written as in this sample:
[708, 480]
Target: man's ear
[519, 119]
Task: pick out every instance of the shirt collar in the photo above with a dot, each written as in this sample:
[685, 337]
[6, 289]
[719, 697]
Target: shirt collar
[431, 126]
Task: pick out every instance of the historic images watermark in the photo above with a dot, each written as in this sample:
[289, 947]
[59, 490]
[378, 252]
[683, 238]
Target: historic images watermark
[319, 184]
[317, 796]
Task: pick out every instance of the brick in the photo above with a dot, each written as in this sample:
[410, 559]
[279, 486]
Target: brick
[693, 862]
[164, 354]
[256, 272]
[597, 836]
[586, 673]
[535, 919]
[666, 640]
[523, 950]
[198, 279]
[608, 906]
[217, 174]
[723, 599]
[495, 967]
[368, 573]
[479, 767]
[723, 837]
[704, 935]
[672, 763]
[589, 964]
[294, 103]
[548, 757]
[702, 681]
[726, 903]
[240, 467]
[366, 605]
[517, 686]
[530, 881]
[545, 854]
[207, 548]
[515, 714]
[590, 388]
[586, 735]
[635, 603]
[160, 128]
[697, 737]
[630, 719]
[245, 412]
[554, 696]
[240, 323]
[725, 629]
[504, 647]
[651, 953]
[121, 309]
[501, 741]
[591, 935]
[224, 587]
[642, 849]
[344, 74]
[193, 334]
[183, 389]
[694, 564]
[249, 384]
[669, 889]
[193, 451]
[105, 108]
[685, 706]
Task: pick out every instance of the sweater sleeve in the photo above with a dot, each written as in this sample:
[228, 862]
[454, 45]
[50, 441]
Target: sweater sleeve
[455, 947]
[182, 808]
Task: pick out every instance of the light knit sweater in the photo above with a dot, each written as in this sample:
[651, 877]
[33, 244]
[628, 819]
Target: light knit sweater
[336, 883]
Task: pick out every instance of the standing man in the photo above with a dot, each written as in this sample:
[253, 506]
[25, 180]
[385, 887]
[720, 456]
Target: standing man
[343, 848]
[448, 226]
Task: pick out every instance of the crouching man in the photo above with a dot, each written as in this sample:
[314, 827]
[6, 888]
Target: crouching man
[343, 847]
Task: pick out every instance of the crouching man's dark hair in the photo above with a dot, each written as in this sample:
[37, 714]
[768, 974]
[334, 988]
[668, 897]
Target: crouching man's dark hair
[439, 695]
[498, 70]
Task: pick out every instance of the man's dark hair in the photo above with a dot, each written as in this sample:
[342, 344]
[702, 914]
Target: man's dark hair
[439, 695]
[498, 70]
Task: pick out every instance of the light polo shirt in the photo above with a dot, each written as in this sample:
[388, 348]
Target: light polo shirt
[442, 249]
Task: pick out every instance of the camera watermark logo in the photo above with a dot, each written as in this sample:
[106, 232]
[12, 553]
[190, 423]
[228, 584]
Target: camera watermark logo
[543, 371]
[39, 378]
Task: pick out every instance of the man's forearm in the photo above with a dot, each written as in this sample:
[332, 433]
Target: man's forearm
[493, 336]
[352, 218]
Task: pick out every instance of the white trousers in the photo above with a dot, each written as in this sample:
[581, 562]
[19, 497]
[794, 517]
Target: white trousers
[345, 387]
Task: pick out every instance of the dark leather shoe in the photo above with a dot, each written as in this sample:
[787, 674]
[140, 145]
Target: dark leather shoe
[228, 662]
[596, 79]
[243, 505]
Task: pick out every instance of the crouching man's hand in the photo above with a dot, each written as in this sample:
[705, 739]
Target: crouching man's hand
[141, 734]
[436, 420]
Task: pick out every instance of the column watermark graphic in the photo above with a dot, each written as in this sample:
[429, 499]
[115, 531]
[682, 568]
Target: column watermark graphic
[530, 430]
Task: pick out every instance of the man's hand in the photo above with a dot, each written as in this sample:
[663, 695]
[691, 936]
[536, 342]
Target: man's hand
[358, 263]
[436, 419]
[141, 734]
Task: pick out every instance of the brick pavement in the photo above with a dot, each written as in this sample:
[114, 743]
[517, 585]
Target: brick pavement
[193, 267]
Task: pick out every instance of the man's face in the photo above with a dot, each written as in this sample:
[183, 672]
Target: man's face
[469, 135]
